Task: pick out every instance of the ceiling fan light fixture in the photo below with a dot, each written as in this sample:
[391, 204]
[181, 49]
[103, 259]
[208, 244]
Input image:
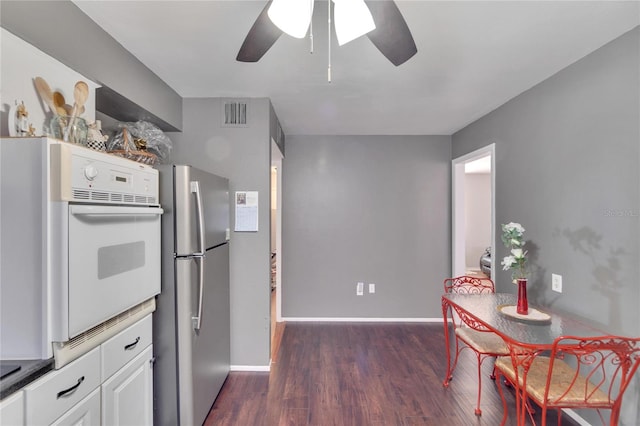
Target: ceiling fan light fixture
[291, 16]
[352, 20]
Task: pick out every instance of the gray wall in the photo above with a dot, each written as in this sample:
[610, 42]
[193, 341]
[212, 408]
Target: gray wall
[241, 154]
[567, 168]
[365, 208]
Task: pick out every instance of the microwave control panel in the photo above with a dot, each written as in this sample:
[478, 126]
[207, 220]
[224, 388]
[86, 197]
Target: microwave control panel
[81, 174]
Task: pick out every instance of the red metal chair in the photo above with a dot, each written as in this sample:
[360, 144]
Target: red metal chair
[579, 372]
[484, 343]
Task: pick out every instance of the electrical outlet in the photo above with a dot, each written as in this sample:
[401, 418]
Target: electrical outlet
[556, 283]
[360, 289]
[372, 288]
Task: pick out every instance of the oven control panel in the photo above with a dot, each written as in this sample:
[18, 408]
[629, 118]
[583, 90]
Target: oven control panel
[81, 174]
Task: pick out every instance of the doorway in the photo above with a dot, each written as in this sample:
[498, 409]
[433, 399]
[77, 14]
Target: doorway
[275, 281]
[473, 210]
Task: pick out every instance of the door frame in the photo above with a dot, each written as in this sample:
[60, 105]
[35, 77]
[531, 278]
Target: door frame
[458, 231]
[276, 161]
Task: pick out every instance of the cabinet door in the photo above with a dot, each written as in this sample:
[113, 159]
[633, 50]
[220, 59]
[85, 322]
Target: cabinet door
[12, 410]
[84, 413]
[127, 397]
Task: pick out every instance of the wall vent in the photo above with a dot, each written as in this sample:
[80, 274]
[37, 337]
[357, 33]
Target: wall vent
[235, 113]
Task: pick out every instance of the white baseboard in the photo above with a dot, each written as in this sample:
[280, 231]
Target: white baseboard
[352, 319]
[250, 368]
[575, 416]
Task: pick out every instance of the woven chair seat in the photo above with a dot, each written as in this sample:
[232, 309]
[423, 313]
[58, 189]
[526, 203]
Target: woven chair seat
[565, 388]
[483, 342]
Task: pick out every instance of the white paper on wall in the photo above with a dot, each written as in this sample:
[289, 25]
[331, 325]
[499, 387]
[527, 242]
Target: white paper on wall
[246, 211]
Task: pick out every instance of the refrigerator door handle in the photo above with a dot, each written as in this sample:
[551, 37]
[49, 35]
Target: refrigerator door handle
[195, 188]
[197, 320]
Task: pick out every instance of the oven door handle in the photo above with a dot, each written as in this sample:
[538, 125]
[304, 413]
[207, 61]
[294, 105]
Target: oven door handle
[114, 211]
[197, 320]
[195, 188]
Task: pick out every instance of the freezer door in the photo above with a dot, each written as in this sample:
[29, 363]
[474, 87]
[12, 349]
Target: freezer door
[199, 195]
[204, 354]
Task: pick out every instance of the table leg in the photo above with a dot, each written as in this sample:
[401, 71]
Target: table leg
[445, 310]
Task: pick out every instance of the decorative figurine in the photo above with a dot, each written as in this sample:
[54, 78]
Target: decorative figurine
[22, 125]
[95, 139]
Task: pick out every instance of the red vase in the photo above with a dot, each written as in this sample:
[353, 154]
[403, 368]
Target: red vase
[523, 305]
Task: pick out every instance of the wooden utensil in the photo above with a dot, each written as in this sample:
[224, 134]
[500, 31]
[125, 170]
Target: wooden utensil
[58, 100]
[68, 109]
[80, 95]
[45, 93]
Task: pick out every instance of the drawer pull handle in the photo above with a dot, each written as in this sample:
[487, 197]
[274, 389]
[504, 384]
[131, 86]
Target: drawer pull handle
[71, 389]
[132, 345]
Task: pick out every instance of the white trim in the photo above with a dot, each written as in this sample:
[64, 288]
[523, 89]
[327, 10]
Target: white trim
[351, 319]
[250, 368]
[575, 416]
[277, 160]
[458, 265]
[458, 225]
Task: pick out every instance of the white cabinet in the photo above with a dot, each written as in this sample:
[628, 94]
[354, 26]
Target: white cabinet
[84, 413]
[55, 393]
[124, 346]
[12, 410]
[111, 385]
[127, 396]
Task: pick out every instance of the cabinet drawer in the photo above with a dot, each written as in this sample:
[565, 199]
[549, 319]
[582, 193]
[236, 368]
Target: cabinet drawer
[12, 410]
[49, 397]
[85, 413]
[125, 346]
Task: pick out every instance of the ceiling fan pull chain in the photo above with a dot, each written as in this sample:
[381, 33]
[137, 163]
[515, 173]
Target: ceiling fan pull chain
[311, 29]
[329, 38]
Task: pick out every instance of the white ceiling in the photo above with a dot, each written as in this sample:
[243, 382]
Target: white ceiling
[472, 57]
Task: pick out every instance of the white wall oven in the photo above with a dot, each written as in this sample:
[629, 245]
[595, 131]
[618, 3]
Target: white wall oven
[80, 243]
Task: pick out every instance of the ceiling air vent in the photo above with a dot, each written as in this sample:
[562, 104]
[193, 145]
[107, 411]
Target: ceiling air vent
[235, 113]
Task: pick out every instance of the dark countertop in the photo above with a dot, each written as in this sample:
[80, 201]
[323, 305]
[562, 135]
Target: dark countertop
[30, 370]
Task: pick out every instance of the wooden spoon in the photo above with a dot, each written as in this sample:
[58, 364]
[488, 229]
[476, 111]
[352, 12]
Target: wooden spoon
[58, 100]
[45, 93]
[68, 109]
[80, 95]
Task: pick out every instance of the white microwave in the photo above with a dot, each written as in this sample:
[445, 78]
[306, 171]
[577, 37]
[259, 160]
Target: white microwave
[80, 234]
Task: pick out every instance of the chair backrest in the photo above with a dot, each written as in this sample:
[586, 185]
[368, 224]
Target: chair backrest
[608, 364]
[469, 285]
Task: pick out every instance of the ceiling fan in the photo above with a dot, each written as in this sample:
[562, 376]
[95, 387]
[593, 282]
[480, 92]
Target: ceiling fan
[391, 35]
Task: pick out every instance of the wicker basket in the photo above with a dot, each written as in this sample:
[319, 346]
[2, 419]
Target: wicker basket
[143, 157]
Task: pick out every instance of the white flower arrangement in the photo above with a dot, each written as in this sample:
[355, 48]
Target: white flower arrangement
[512, 237]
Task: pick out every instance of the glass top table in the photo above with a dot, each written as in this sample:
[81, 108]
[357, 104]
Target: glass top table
[524, 340]
[483, 308]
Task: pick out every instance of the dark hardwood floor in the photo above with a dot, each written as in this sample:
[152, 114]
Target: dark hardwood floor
[361, 374]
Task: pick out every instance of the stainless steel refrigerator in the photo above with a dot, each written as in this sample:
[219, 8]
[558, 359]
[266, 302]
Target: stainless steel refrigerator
[191, 324]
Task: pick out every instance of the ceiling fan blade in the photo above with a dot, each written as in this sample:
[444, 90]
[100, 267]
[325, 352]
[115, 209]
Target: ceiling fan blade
[392, 36]
[262, 35]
